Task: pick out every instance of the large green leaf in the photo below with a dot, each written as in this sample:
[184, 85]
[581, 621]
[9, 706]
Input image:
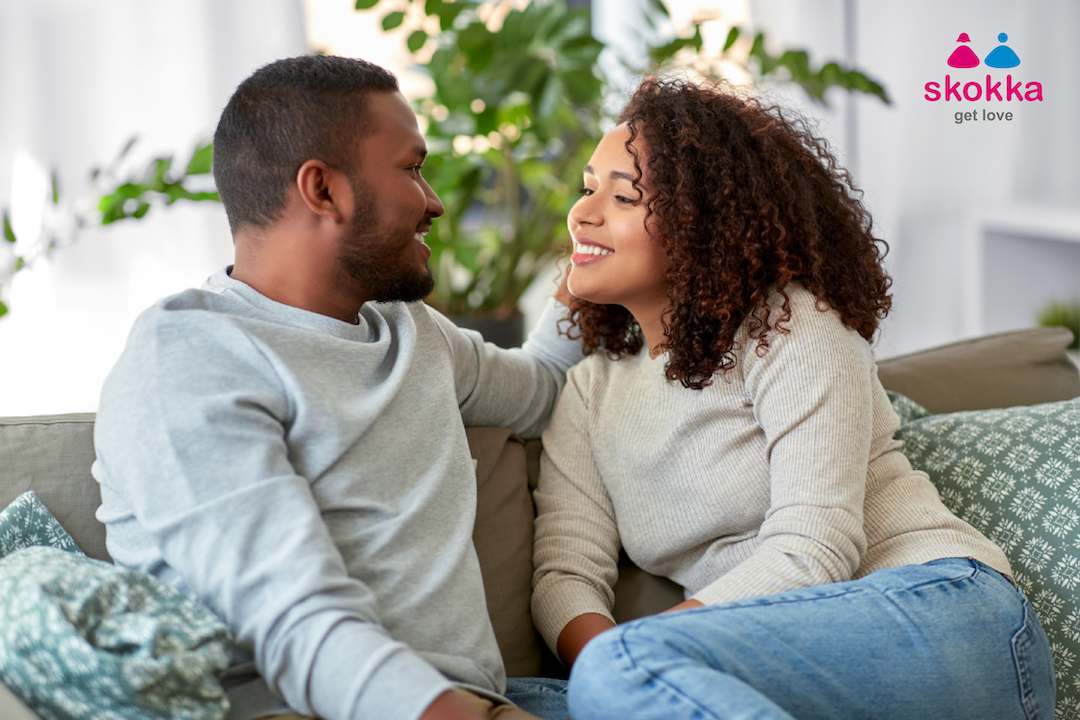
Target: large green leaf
[9, 234]
[201, 160]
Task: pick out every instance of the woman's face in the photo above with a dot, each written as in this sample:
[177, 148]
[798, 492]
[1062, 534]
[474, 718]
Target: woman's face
[616, 260]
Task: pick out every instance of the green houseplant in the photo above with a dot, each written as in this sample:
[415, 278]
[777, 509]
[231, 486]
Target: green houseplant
[515, 114]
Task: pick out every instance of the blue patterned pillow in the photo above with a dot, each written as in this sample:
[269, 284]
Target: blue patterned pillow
[81, 639]
[1014, 473]
[26, 522]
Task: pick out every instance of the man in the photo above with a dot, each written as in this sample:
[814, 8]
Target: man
[286, 444]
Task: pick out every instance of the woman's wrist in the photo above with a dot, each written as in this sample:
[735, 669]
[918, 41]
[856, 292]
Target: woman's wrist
[577, 633]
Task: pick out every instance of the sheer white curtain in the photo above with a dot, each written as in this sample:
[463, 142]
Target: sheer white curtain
[77, 80]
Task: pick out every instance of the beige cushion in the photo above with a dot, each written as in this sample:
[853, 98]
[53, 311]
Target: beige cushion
[52, 455]
[503, 536]
[1022, 367]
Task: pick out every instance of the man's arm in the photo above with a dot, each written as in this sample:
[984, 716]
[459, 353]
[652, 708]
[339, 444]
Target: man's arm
[514, 388]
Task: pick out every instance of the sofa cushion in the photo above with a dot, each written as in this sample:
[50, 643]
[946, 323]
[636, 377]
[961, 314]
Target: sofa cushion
[52, 455]
[82, 639]
[503, 536]
[27, 523]
[1014, 473]
[1022, 367]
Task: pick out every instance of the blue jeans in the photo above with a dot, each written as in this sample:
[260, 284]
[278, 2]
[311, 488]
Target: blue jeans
[948, 639]
[543, 697]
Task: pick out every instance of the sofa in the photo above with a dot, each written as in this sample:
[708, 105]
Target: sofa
[940, 393]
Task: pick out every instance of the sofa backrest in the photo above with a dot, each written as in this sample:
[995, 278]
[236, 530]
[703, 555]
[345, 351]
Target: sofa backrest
[52, 455]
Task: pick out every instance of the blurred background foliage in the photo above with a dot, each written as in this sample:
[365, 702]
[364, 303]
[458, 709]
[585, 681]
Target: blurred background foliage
[517, 108]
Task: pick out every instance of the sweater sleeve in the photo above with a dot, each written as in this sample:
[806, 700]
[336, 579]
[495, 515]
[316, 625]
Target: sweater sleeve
[192, 432]
[513, 388]
[812, 395]
[576, 542]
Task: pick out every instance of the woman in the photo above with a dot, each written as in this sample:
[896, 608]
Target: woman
[729, 432]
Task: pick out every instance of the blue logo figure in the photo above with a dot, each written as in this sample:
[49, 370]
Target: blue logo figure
[1002, 56]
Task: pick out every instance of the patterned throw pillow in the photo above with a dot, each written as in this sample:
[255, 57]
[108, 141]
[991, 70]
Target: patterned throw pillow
[1014, 474]
[26, 522]
[81, 639]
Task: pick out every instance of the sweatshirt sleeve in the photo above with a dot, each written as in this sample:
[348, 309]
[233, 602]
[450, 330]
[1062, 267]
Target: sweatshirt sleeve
[812, 394]
[517, 387]
[576, 542]
[192, 432]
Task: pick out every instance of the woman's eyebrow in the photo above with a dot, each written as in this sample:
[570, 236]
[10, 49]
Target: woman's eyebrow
[615, 174]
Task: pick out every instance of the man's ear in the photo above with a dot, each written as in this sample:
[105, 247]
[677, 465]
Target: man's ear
[325, 190]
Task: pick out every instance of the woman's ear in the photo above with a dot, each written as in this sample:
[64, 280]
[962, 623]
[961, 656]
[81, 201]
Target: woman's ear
[325, 190]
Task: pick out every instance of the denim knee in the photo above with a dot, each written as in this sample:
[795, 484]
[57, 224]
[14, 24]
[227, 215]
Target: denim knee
[599, 672]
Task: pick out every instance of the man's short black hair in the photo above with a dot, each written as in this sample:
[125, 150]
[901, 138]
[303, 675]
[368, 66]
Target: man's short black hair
[312, 107]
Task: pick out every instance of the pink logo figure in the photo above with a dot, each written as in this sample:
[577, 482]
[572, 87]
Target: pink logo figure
[962, 56]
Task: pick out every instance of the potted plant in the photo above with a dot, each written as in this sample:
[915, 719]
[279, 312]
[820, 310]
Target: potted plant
[514, 116]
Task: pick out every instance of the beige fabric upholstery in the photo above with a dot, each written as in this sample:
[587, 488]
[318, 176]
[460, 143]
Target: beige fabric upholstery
[12, 708]
[1022, 367]
[52, 455]
[503, 536]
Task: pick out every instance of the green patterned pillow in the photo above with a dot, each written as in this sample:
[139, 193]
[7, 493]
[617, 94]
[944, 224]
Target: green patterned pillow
[81, 639]
[27, 522]
[1014, 474]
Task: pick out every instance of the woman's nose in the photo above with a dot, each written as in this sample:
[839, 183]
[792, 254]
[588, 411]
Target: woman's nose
[585, 212]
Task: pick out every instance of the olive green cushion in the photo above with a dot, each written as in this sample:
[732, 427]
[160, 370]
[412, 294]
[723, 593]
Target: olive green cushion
[1014, 473]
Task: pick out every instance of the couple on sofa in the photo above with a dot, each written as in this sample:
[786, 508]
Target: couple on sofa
[286, 444]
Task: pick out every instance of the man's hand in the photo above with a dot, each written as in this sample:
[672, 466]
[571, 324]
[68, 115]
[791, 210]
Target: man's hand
[449, 706]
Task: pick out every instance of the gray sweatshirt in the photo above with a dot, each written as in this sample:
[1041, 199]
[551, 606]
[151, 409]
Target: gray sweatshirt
[309, 480]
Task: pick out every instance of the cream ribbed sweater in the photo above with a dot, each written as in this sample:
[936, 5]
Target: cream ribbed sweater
[781, 474]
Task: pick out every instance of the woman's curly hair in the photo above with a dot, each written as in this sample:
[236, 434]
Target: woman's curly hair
[745, 200]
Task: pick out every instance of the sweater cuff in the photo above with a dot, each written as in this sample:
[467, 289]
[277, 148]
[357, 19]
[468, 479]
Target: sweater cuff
[547, 344]
[556, 603]
[391, 682]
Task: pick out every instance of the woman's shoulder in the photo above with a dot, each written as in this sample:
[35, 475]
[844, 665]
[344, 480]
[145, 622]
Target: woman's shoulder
[797, 317]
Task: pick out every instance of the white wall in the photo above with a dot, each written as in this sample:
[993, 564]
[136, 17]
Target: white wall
[77, 80]
[929, 182]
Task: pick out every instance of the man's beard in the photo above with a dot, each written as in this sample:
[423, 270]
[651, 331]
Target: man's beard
[373, 261]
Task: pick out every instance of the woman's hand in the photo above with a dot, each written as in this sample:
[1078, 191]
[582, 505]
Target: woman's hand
[685, 605]
[577, 633]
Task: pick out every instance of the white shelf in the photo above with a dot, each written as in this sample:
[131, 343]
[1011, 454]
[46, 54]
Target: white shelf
[1019, 257]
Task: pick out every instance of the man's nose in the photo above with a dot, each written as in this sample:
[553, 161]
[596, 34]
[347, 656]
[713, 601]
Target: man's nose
[435, 206]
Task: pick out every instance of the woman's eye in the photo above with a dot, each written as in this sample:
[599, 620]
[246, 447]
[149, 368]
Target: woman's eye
[585, 191]
[625, 200]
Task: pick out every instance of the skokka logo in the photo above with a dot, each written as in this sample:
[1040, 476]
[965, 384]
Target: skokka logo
[965, 88]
